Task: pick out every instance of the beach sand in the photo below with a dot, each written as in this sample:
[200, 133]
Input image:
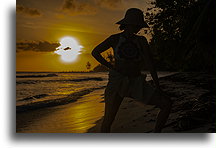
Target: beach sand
[76, 117]
[192, 112]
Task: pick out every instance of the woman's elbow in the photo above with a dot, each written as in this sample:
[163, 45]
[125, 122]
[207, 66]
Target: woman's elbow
[94, 53]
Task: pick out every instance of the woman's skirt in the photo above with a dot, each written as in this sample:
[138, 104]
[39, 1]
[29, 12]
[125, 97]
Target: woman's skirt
[124, 86]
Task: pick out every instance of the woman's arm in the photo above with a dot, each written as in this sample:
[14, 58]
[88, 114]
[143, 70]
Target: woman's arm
[149, 60]
[96, 53]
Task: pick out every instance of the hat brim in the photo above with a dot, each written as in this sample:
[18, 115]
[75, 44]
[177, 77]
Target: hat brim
[144, 24]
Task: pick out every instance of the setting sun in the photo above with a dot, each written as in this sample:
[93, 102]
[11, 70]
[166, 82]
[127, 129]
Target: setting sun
[69, 49]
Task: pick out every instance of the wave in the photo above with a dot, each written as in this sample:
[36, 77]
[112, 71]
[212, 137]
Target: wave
[37, 76]
[34, 97]
[62, 80]
[27, 82]
[87, 79]
[54, 102]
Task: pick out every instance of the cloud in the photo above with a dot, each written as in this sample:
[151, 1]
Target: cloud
[38, 46]
[33, 12]
[90, 7]
[110, 4]
[77, 7]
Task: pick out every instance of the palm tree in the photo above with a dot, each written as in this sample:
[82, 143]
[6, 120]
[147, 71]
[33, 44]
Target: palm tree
[88, 65]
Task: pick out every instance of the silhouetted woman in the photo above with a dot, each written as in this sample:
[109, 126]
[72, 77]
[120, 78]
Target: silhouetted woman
[131, 53]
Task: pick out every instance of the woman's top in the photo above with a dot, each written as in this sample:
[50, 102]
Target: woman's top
[128, 56]
[127, 80]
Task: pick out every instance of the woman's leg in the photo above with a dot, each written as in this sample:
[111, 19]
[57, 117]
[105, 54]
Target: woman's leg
[164, 103]
[111, 108]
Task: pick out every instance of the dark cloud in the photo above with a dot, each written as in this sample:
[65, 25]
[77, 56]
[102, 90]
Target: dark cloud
[110, 4]
[38, 46]
[78, 7]
[33, 12]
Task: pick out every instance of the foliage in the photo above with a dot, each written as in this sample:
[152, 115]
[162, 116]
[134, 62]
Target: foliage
[101, 68]
[88, 65]
[176, 29]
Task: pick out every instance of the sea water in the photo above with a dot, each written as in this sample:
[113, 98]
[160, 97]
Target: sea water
[33, 88]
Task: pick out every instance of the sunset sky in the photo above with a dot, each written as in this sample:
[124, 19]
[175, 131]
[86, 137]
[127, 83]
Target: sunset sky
[42, 24]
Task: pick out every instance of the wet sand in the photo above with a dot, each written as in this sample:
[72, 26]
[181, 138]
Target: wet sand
[85, 115]
[76, 117]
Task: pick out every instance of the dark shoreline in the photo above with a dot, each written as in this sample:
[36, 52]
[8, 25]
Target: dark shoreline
[194, 100]
[193, 109]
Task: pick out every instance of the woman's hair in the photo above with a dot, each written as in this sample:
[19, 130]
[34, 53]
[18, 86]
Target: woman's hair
[122, 27]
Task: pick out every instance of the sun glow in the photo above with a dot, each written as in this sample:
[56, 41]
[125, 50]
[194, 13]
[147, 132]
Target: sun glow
[69, 49]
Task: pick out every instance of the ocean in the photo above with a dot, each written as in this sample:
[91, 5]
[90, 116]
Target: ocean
[38, 90]
[60, 102]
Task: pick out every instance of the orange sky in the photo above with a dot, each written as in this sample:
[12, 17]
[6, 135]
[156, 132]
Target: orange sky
[41, 24]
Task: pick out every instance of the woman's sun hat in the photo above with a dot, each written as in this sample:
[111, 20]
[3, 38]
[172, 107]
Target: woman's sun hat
[134, 16]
